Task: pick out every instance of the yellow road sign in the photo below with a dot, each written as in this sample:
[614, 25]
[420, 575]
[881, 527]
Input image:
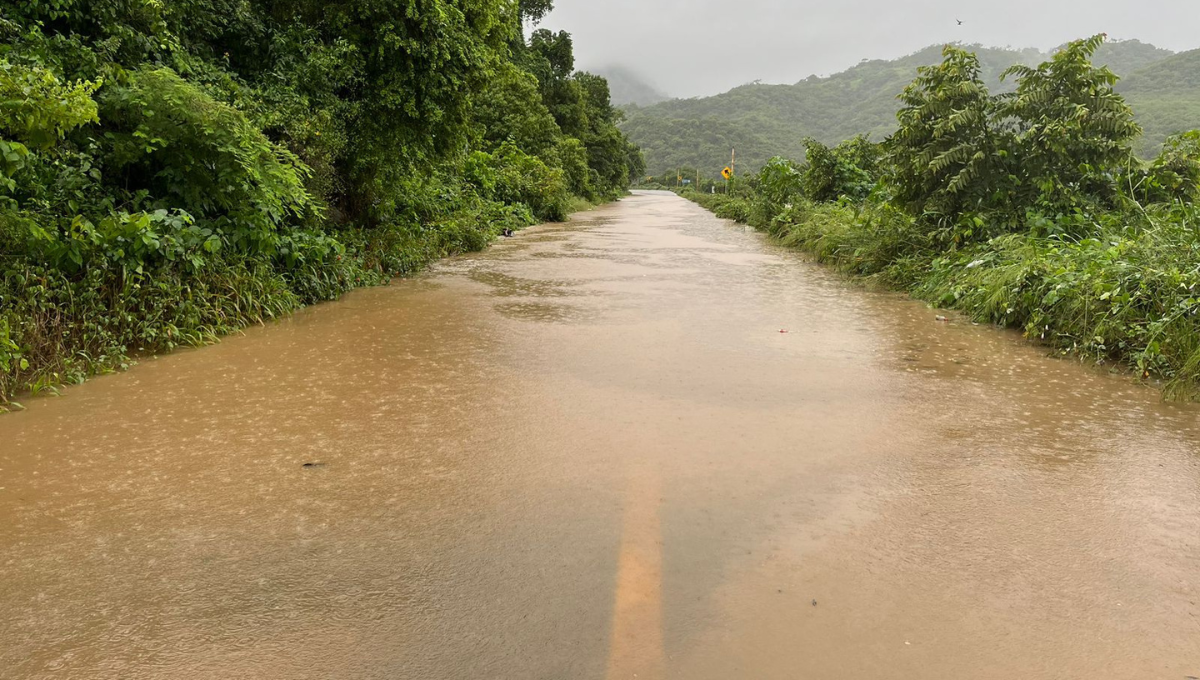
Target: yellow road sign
[727, 173]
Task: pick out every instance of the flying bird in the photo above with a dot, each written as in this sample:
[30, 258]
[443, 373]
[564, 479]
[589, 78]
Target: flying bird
[959, 21]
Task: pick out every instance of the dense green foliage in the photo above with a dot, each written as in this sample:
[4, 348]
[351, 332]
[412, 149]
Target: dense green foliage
[174, 171]
[1025, 208]
[1166, 97]
[764, 120]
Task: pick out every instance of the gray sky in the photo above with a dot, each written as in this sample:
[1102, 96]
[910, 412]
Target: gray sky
[698, 47]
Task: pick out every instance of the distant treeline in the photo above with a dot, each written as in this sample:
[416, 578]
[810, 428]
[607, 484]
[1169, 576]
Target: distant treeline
[764, 120]
[171, 171]
[1025, 208]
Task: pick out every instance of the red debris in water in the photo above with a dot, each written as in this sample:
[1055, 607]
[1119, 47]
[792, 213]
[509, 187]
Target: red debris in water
[783, 330]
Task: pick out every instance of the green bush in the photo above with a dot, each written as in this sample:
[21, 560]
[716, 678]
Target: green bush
[1173, 176]
[512, 176]
[736, 209]
[780, 183]
[170, 144]
[850, 170]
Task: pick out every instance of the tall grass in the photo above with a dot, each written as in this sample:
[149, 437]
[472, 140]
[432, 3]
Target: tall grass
[1129, 294]
[60, 328]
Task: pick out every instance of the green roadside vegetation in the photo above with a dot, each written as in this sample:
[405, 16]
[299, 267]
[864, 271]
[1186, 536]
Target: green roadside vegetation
[174, 171]
[1026, 208]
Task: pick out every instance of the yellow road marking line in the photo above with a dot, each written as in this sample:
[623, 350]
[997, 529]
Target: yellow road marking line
[636, 649]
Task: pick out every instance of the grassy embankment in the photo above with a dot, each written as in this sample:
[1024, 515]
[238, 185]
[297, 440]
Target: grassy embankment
[1127, 294]
[74, 327]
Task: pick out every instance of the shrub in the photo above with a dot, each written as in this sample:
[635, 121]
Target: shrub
[850, 170]
[173, 146]
[512, 176]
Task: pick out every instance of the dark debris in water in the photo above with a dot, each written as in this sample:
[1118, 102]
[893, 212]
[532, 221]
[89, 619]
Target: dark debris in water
[314, 465]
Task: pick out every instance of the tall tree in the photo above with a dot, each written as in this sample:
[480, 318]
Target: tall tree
[1071, 125]
[946, 150]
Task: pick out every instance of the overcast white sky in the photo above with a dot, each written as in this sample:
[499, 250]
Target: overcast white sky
[698, 47]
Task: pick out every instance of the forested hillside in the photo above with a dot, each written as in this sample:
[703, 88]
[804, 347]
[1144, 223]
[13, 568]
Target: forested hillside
[1166, 97]
[765, 120]
[175, 170]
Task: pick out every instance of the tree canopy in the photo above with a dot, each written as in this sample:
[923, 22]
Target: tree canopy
[308, 145]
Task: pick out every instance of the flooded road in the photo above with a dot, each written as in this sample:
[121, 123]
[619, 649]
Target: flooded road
[591, 453]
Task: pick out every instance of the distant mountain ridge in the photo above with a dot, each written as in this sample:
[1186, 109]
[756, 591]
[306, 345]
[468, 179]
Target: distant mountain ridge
[767, 120]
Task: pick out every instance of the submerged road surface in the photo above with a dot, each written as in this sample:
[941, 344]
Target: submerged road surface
[591, 453]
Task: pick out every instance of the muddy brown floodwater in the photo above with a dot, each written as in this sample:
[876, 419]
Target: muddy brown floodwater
[591, 453]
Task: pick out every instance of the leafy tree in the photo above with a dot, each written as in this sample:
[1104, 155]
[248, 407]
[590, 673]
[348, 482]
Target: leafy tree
[1072, 127]
[421, 60]
[552, 55]
[533, 11]
[608, 150]
[947, 154]
[582, 107]
[512, 176]
[635, 162]
[976, 164]
[551, 59]
[571, 156]
[87, 36]
[510, 108]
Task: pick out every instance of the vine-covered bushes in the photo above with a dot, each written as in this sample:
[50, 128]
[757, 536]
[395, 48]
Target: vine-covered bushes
[170, 172]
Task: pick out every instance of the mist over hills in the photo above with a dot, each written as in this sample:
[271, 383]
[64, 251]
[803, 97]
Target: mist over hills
[763, 120]
[627, 87]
